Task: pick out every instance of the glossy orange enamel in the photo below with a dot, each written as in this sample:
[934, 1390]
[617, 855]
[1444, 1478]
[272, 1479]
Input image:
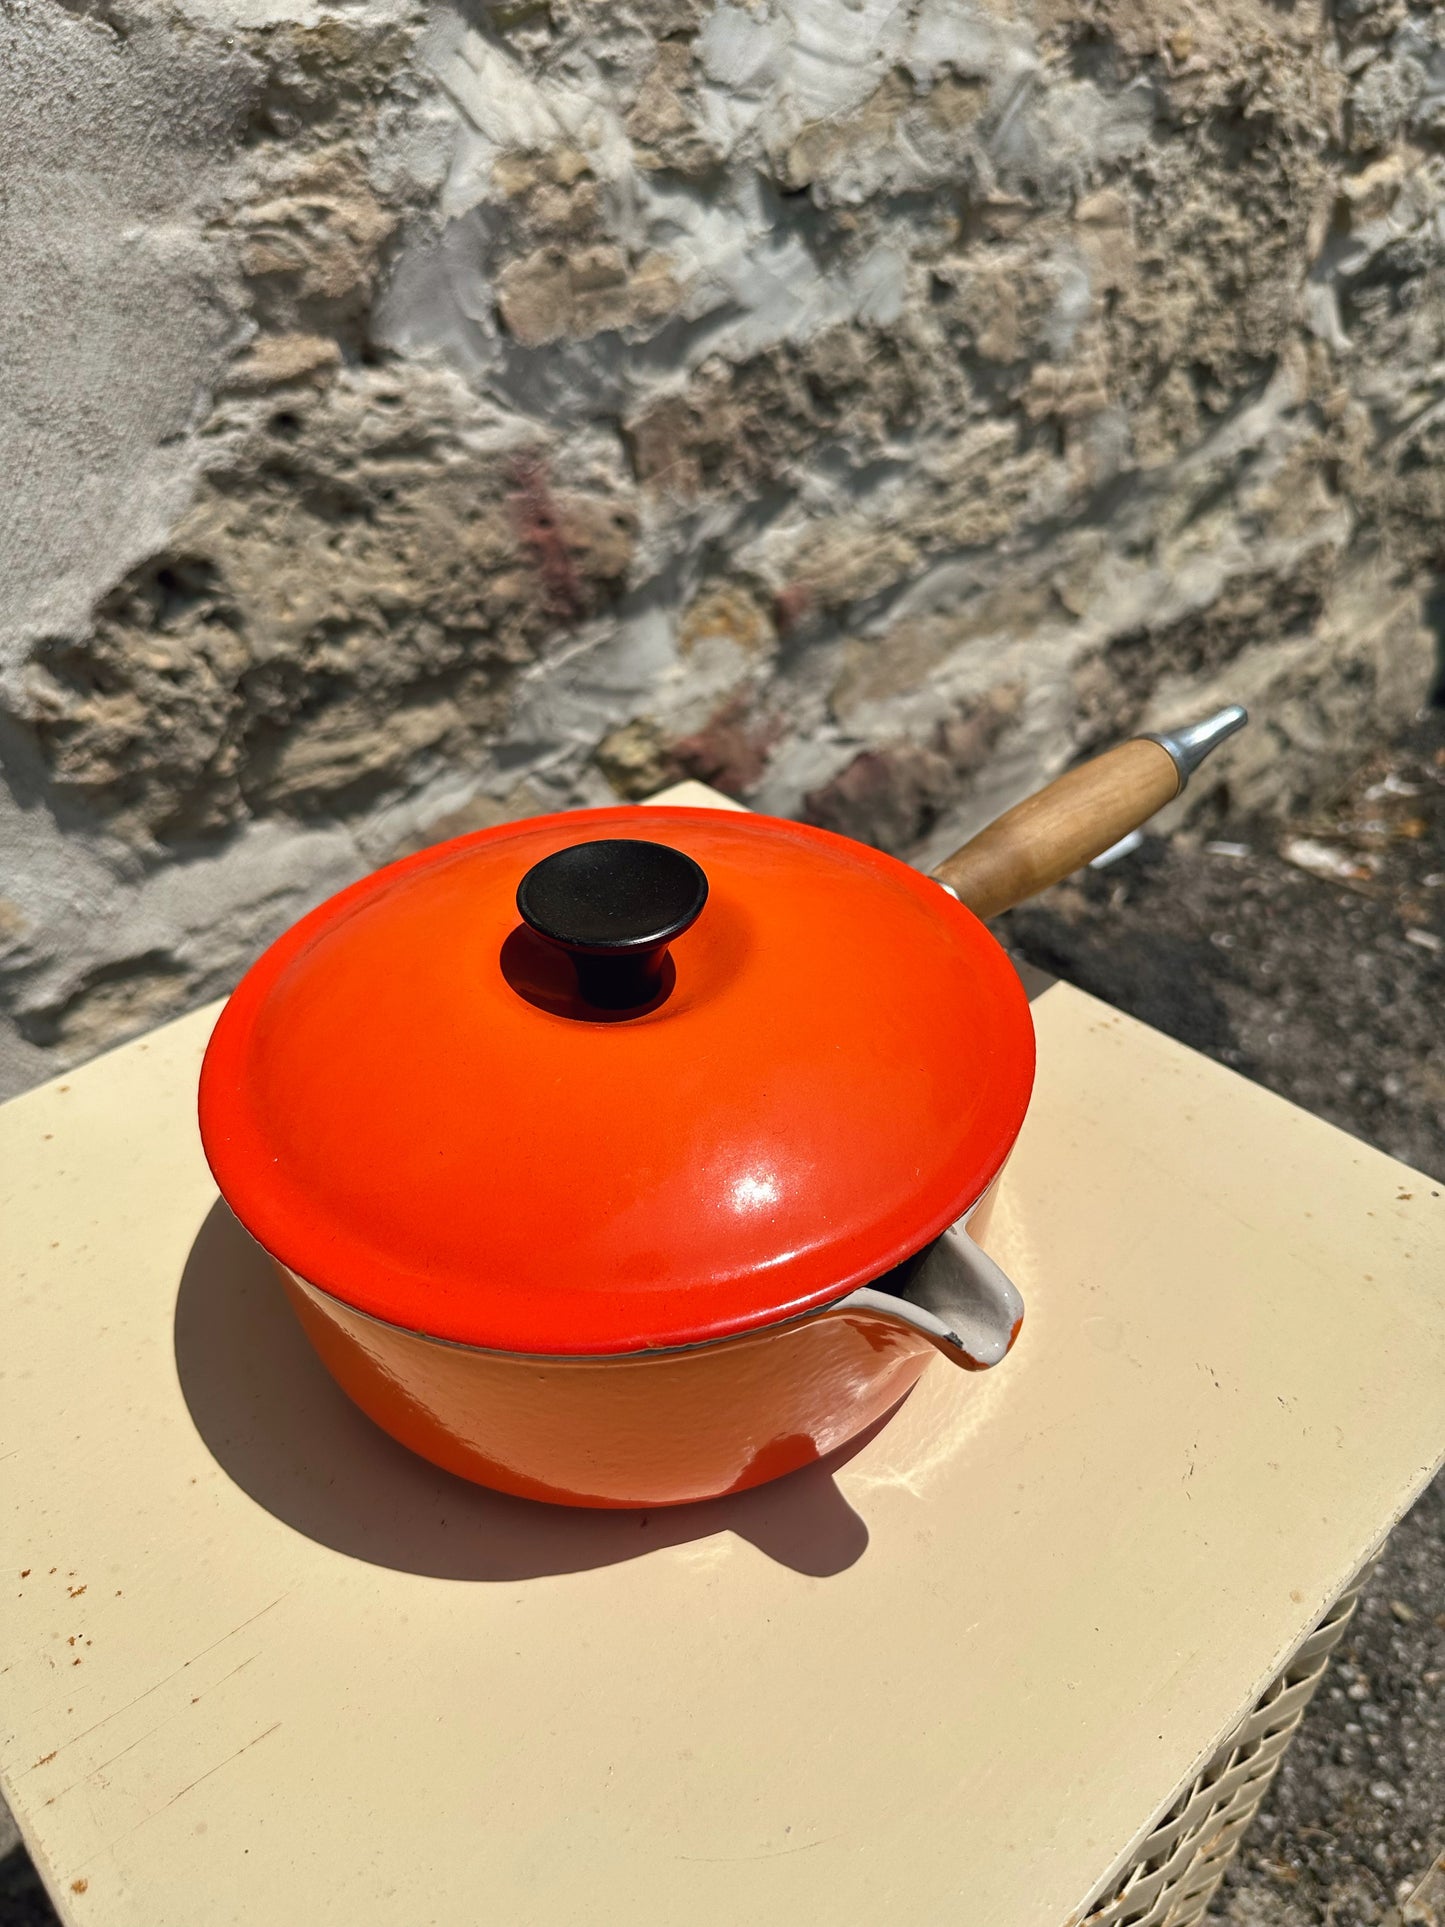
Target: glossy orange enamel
[662, 1429]
[403, 1106]
[659, 1428]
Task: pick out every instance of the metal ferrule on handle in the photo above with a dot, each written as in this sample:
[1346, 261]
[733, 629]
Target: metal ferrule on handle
[1189, 747]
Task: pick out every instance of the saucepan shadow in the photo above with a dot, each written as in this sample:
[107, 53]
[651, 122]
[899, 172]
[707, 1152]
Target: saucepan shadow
[277, 1424]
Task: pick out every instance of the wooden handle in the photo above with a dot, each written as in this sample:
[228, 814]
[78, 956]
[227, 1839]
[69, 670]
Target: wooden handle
[1065, 825]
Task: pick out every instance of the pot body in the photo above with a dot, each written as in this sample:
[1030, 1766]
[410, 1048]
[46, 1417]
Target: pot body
[650, 1429]
[630, 1430]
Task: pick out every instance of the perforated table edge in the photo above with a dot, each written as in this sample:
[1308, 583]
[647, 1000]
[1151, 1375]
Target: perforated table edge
[1170, 1879]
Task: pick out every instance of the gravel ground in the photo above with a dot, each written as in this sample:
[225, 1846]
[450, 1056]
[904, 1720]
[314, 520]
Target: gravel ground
[1313, 960]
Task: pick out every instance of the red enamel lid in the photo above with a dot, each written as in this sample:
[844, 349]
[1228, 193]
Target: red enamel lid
[410, 1103]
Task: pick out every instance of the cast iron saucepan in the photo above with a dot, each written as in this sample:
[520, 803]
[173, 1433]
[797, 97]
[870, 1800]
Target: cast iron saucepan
[628, 1157]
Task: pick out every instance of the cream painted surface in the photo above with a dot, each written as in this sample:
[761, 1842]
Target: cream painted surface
[694, 796]
[371, 1694]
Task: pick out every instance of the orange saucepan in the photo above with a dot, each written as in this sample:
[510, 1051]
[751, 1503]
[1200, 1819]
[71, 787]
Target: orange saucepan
[626, 1158]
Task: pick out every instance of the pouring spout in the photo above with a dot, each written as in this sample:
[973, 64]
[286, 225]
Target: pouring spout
[963, 1303]
[1188, 747]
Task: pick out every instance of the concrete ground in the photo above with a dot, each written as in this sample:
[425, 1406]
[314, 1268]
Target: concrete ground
[1313, 960]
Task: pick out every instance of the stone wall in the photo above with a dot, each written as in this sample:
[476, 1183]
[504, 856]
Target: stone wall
[415, 416]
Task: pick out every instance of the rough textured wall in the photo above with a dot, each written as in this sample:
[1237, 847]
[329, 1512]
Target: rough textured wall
[415, 416]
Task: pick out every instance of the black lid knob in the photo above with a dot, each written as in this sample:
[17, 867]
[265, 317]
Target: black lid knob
[614, 905]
